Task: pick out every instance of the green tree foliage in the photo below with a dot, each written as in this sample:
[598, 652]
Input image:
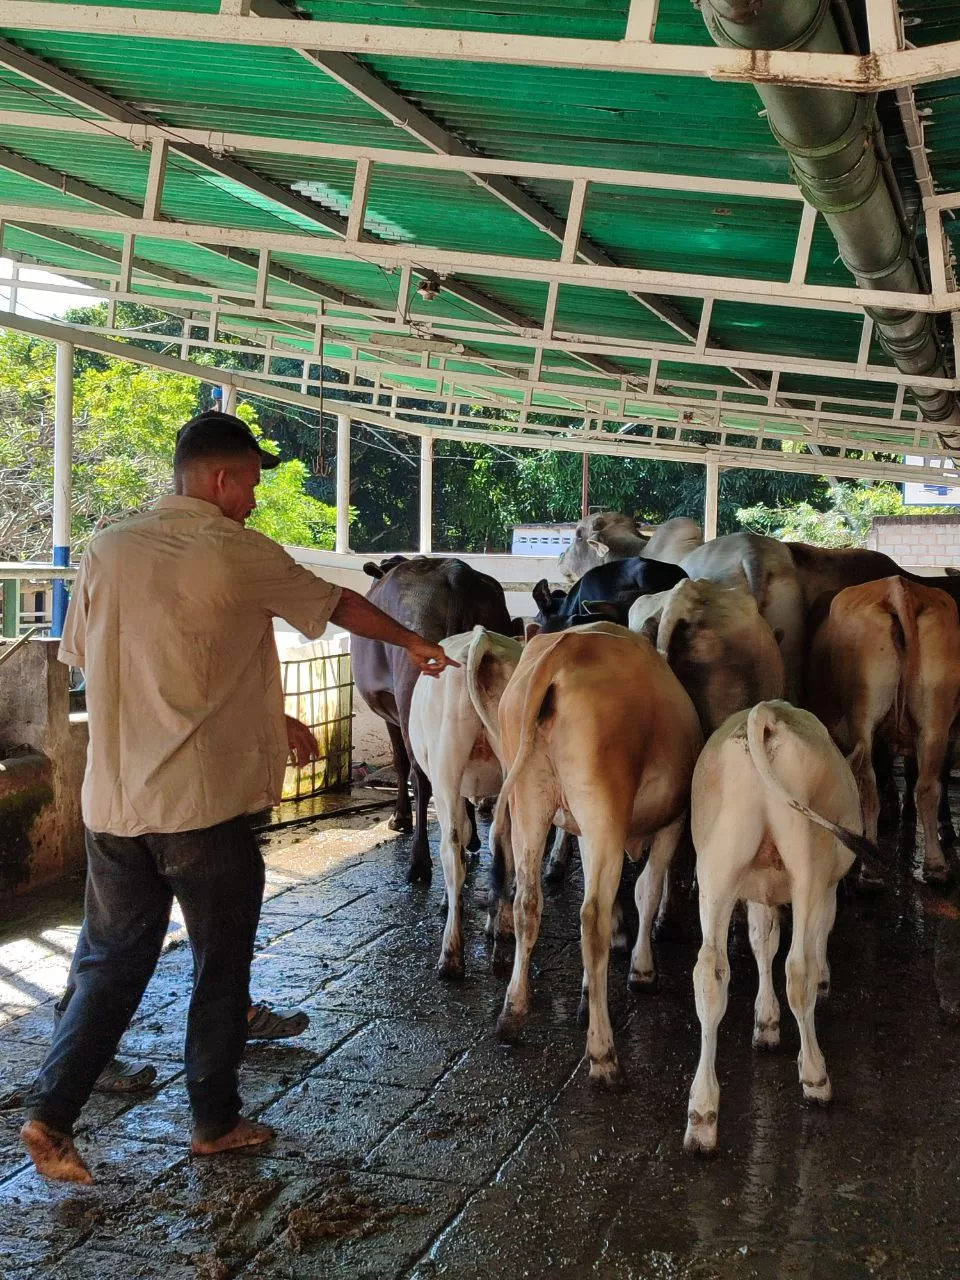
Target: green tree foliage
[845, 522]
[125, 421]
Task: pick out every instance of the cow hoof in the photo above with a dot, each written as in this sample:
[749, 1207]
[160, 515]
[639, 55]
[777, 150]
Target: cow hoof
[501, 961]
[821, 1092]
[642, 984]
[700, 1138]
[450, 967]
[937, 877]
[403, 826]
[509, 1026]
[869, 884]
[766, 1036]
[420, 873]
[606, 1072]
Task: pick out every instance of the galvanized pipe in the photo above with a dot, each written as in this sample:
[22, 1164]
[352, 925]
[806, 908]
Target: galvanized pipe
[834, 143]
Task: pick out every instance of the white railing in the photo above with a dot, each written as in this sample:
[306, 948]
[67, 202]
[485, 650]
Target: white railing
[26, 595]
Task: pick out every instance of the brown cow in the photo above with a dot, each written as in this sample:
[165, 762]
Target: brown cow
[886, 660]
[435, 598]
[600, 738]
[717, 644]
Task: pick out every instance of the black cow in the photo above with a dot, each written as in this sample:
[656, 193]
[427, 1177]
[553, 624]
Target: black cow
[435, 598]
[613, 587]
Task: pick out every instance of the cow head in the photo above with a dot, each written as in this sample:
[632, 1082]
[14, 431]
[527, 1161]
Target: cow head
[549, 603]
[374, 570]
[604, 535]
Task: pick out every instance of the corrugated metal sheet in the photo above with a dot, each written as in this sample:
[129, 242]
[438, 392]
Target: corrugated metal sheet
[684, 126]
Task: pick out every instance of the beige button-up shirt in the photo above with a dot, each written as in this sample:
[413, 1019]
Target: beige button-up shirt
[171, 619]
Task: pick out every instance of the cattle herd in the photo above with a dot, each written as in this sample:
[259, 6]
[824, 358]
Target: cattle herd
[752, 691]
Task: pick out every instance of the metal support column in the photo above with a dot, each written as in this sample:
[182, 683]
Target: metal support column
[343, 483]
[62, 478]
[585, 486]
[228, 399]
[711, 502]
[426, 495]
[11, 608]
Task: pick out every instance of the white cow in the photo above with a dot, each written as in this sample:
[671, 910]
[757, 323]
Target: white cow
[776, 819]
[456, 741]
[600, 738]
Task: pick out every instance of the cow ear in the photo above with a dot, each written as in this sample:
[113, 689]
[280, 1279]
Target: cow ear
[530, 630]
[541, 596]
[372, 569]
[599, 547]
[651, 626]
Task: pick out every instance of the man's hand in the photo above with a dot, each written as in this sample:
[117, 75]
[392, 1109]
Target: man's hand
[303, 745]
[430, 658]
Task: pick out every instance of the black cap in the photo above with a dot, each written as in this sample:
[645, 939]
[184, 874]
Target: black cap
[214, 434]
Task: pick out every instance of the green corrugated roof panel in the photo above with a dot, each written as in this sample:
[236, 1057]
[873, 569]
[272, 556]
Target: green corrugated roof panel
[679, 125]
[674, 124]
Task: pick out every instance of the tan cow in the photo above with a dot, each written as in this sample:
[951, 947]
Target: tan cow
[776, 819]
[717, 644]
[886, 660]
[599, 737]
[455, 740]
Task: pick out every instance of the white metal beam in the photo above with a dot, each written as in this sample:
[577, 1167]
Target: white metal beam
[623, 279]
[884, 25]
[343, 482]
[429, 162]
[870, 73]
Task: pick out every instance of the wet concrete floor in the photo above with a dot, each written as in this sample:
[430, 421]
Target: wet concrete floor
[412, 1144]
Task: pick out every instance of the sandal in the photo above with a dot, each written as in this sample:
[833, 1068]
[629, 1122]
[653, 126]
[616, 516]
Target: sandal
[264, 1024]
[117, 1077]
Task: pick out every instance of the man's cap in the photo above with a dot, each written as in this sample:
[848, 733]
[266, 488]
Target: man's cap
[213, 434]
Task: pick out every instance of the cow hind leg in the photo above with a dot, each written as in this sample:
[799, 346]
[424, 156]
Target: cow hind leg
[558, 861]
[602, 867]
[823, 937]
[402, 819]
[420, 870]
[931, 751]
[649, 895]
[452, 816]
[764, 928]
[809, 917]
[473, 840]
[711, 980]
[529, 837]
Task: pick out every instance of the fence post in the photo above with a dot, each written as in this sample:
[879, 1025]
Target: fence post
[343, 484]
[62, 478]
[426, 495]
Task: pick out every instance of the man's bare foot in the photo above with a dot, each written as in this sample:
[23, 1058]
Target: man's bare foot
[245, 1133]
[53, 1153]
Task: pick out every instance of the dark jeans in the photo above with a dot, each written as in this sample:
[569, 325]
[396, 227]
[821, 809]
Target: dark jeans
[217, 877]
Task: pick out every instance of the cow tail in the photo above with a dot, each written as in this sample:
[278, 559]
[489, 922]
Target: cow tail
[537, 690]
[903, 617]
[501, 852]
[761, 722]
[479, 648]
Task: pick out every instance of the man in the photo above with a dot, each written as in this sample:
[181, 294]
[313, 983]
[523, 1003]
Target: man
[171, 619]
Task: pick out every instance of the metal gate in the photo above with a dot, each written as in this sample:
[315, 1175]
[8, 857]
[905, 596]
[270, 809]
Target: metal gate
[318, 689]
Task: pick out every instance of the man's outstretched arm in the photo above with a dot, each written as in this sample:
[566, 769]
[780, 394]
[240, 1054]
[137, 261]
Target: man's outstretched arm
[356, 614]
